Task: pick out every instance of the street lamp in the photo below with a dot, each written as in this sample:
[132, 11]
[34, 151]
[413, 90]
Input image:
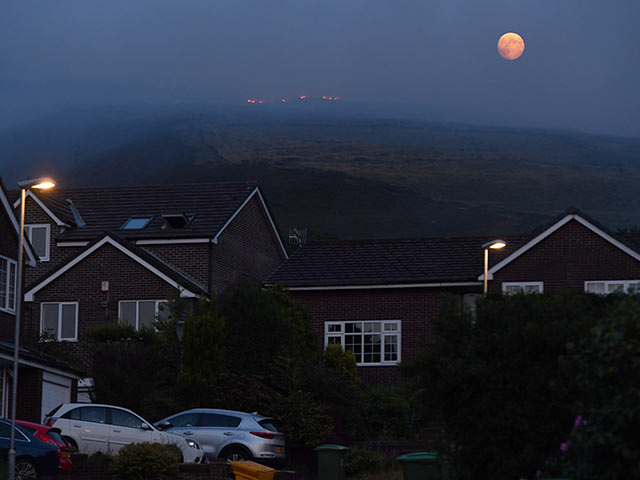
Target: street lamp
[43, 183]
[493, 245]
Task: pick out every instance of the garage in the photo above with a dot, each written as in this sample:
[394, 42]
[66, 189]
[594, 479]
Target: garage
[55, 390]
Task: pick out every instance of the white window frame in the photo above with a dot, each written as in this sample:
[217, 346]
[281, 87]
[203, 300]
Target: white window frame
[28, 228]
[137, 325]
[5, 307]
[626, 283]
[59, 331]
[521, 285]
[397, 332]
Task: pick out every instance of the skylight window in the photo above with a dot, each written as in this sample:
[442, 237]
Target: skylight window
[136, 223]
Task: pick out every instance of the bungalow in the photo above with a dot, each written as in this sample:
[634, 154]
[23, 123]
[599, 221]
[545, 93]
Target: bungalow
[375, 297]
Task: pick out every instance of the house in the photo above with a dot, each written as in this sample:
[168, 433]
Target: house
[375, 297]
[43, 381]
[118, 254]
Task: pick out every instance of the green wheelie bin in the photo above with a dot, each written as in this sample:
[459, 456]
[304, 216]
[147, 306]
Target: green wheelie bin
[420, 466]
[331, 462]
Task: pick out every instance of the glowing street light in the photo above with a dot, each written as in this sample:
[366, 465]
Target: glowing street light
[43, 183]
[493, 245]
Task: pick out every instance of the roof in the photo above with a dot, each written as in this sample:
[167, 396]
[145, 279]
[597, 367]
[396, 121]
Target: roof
[39, 360]
[108, 209]
[444, 261]
[411, 262]
[154, 264]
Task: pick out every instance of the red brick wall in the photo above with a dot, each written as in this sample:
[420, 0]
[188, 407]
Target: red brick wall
[566, 259]
[191, 259]
[29, 398]
[128, 280]
[8, 249]
[248, 248]
[412, 306]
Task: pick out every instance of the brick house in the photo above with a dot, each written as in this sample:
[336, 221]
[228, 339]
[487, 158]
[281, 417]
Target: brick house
[118, 254]
[43, 381]
[375, 297]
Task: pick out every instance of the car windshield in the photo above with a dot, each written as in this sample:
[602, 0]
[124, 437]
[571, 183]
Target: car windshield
[267, 424]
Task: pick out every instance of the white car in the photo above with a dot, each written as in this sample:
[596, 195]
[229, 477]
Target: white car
[92, 428]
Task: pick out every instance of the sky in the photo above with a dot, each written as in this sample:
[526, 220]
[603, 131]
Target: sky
[435, 59]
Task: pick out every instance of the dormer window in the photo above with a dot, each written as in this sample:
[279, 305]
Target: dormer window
[176, 221]
[136, 223]
[39, 236]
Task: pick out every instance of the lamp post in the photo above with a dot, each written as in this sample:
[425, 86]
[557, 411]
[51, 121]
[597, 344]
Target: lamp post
[43, 183]
[493, 245]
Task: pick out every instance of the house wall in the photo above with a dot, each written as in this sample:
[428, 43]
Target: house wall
[247, 249]
[413, 306]
[192, 259]
[29, 399]
[128, 280]
[9, 249]
[566, 259]
[57, 255]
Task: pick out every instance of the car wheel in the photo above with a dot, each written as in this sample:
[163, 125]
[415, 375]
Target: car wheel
[72, 443]
[26, 470]
[236, 454]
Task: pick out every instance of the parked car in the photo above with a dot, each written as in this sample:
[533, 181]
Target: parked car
[50, 435]
[34, 458]
[229, 435]
[92, 428]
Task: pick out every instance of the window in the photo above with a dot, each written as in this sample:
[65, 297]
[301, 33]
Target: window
[7, 284]
[611, 286]
[136, 223]
[512, 288]
[218, 420]
[88, 414]
[39, 236]
[185, 420]
[60, 320]
[125, 419]
[372, 343]
[143, 313]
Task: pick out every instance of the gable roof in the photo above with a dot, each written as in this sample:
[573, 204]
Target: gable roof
[6, 205]
[390, 263]
[187, 286]
[571, 214]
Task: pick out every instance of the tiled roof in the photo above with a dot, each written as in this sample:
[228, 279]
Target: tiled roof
[389, 262]
[41, 358]
[108, 209]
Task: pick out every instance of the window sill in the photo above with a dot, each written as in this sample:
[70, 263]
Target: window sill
[380, 364]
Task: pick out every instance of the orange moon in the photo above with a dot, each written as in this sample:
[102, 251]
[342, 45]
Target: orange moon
[510, 46]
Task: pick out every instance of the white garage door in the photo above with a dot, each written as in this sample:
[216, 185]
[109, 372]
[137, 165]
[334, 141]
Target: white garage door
[55, 390]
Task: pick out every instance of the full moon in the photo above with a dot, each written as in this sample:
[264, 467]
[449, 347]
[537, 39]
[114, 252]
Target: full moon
[510, 46]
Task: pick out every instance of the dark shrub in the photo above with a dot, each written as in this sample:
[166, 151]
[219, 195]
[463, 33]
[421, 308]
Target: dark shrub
[147, 461]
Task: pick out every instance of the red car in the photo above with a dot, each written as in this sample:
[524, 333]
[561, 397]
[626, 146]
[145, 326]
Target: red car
[50, 435]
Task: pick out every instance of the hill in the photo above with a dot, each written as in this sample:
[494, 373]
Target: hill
[340, 175]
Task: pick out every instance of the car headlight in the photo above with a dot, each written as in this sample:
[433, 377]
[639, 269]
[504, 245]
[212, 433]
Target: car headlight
[192, 443]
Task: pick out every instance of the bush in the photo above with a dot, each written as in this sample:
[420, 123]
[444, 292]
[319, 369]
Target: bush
[388, 413]
[359, 461]
[147, 461]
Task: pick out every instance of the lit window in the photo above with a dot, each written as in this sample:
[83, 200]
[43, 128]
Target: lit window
[60, 320]
[372, 343]
[143, 313]
[136, 223]
[606, 287]
[513, 288]
[39, 237]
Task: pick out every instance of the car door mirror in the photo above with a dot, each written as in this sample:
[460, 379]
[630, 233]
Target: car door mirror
[145, 426]
[164, 425]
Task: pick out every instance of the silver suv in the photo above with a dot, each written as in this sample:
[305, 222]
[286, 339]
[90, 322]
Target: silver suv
[229, 435]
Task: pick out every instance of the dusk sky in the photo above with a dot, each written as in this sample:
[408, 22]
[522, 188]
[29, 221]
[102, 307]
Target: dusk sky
[435, 59]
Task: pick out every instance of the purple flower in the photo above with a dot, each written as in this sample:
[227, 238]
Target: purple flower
[578, 422]
[564, 447]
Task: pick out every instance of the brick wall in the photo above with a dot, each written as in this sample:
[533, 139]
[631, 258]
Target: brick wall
[192, 259]
[128, 280]
[8, 237]
[29, 399]
[248, 248]
[412, 306]
[566, 259]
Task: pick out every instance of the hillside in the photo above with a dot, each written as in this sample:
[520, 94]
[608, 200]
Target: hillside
[344, 176]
